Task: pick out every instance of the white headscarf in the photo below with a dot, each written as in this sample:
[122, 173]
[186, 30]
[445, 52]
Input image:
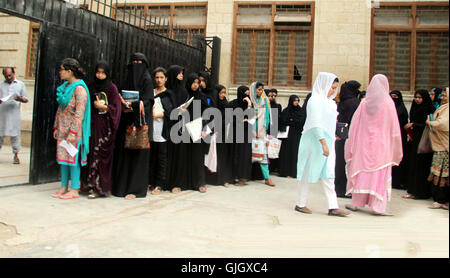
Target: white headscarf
[321, 110]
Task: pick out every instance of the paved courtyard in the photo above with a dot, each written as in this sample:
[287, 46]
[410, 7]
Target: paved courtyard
[252, 221]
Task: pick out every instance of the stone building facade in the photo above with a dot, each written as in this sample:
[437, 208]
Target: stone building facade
[264, 40]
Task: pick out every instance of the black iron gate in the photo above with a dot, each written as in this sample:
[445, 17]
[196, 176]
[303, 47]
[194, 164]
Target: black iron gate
[71, 31]
[43, 167]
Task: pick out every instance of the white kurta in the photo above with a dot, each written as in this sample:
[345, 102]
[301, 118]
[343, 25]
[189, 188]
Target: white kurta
[10, 120]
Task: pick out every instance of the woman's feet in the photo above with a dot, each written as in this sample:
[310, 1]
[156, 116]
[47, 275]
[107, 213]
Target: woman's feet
[382, 213]
[176, 190]
[351, 207]
[408, 196]
[269, 182]
[437, 205]
[156, 190]
[303, 210]
[338, 212]
[227, 185]
[61, 191]
[202, 189]
[72, 194]
[94, 195]
[130, 197]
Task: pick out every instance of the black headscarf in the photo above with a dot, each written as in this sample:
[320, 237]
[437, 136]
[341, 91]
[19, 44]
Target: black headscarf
[292, 115]
[198, 95]
[293, 110]
[172, 81]
[398, 101]
[189, 81]
[349, 90]
[221, 104]
[176, 85]
[240, 102]
[102, 85]
[425, 108]
[349, 101]
[402, 113]
[137, 72]
[210, 92]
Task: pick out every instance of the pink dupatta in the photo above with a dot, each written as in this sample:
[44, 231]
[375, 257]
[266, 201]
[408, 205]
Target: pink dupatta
[374, 140]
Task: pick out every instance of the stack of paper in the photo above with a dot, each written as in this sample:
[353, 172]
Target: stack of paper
[69, 148]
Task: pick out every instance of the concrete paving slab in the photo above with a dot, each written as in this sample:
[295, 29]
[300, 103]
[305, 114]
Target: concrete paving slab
[251, 221]
[11, 174]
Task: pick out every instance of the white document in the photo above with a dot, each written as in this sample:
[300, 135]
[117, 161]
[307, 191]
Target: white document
[186, 104]
[208, 130]
[158, 108]
[195, 129]
[69, 148]
[8, 97]
[252, 121]
[282, 135]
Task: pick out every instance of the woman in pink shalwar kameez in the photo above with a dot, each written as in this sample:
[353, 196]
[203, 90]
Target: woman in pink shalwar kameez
[373, 147]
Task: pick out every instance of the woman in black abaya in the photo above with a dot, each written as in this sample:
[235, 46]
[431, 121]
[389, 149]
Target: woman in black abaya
[399, 173]
[418, 164]
[293, 117]
[224, 173]
[348, 103]
[175, 76]
[132, 166]
[242, 152]
[189, 158]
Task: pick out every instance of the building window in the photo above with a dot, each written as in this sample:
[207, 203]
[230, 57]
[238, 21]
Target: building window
[189, 20]
[273, 44]
[33, 38]
[410, 44]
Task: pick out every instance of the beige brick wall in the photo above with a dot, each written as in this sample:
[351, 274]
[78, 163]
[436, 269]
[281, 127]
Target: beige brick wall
[14, 43]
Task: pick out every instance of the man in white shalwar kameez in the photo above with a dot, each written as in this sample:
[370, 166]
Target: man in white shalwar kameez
[12, 94]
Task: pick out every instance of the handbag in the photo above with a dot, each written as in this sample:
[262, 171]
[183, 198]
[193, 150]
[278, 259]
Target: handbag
[136, 138]
[258, 149]
[425, 143]
[274, 148]
[342, 130]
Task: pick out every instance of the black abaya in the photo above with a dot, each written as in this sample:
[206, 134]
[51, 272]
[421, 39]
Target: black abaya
[419, 164]
[242, 152]
[294, 117]
[187, 159]
[132, 166]
[399, 173]
[224, 173]
[347, 106]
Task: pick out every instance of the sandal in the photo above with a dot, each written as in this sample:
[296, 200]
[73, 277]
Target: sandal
[156, 190]
[68, 197]
[382, 214]
[227, 185]
[351, 207]
[408, 196]
[57, 194]
[93, 196]
[202, 189]
[176, 190]
[435, 205]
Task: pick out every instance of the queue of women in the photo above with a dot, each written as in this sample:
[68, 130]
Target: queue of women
[360, 147]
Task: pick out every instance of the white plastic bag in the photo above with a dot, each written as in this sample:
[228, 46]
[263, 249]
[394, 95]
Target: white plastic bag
[274, 148]
[211, 157]
[258, 149]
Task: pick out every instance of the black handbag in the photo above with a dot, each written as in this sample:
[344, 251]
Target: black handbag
[342, 130]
